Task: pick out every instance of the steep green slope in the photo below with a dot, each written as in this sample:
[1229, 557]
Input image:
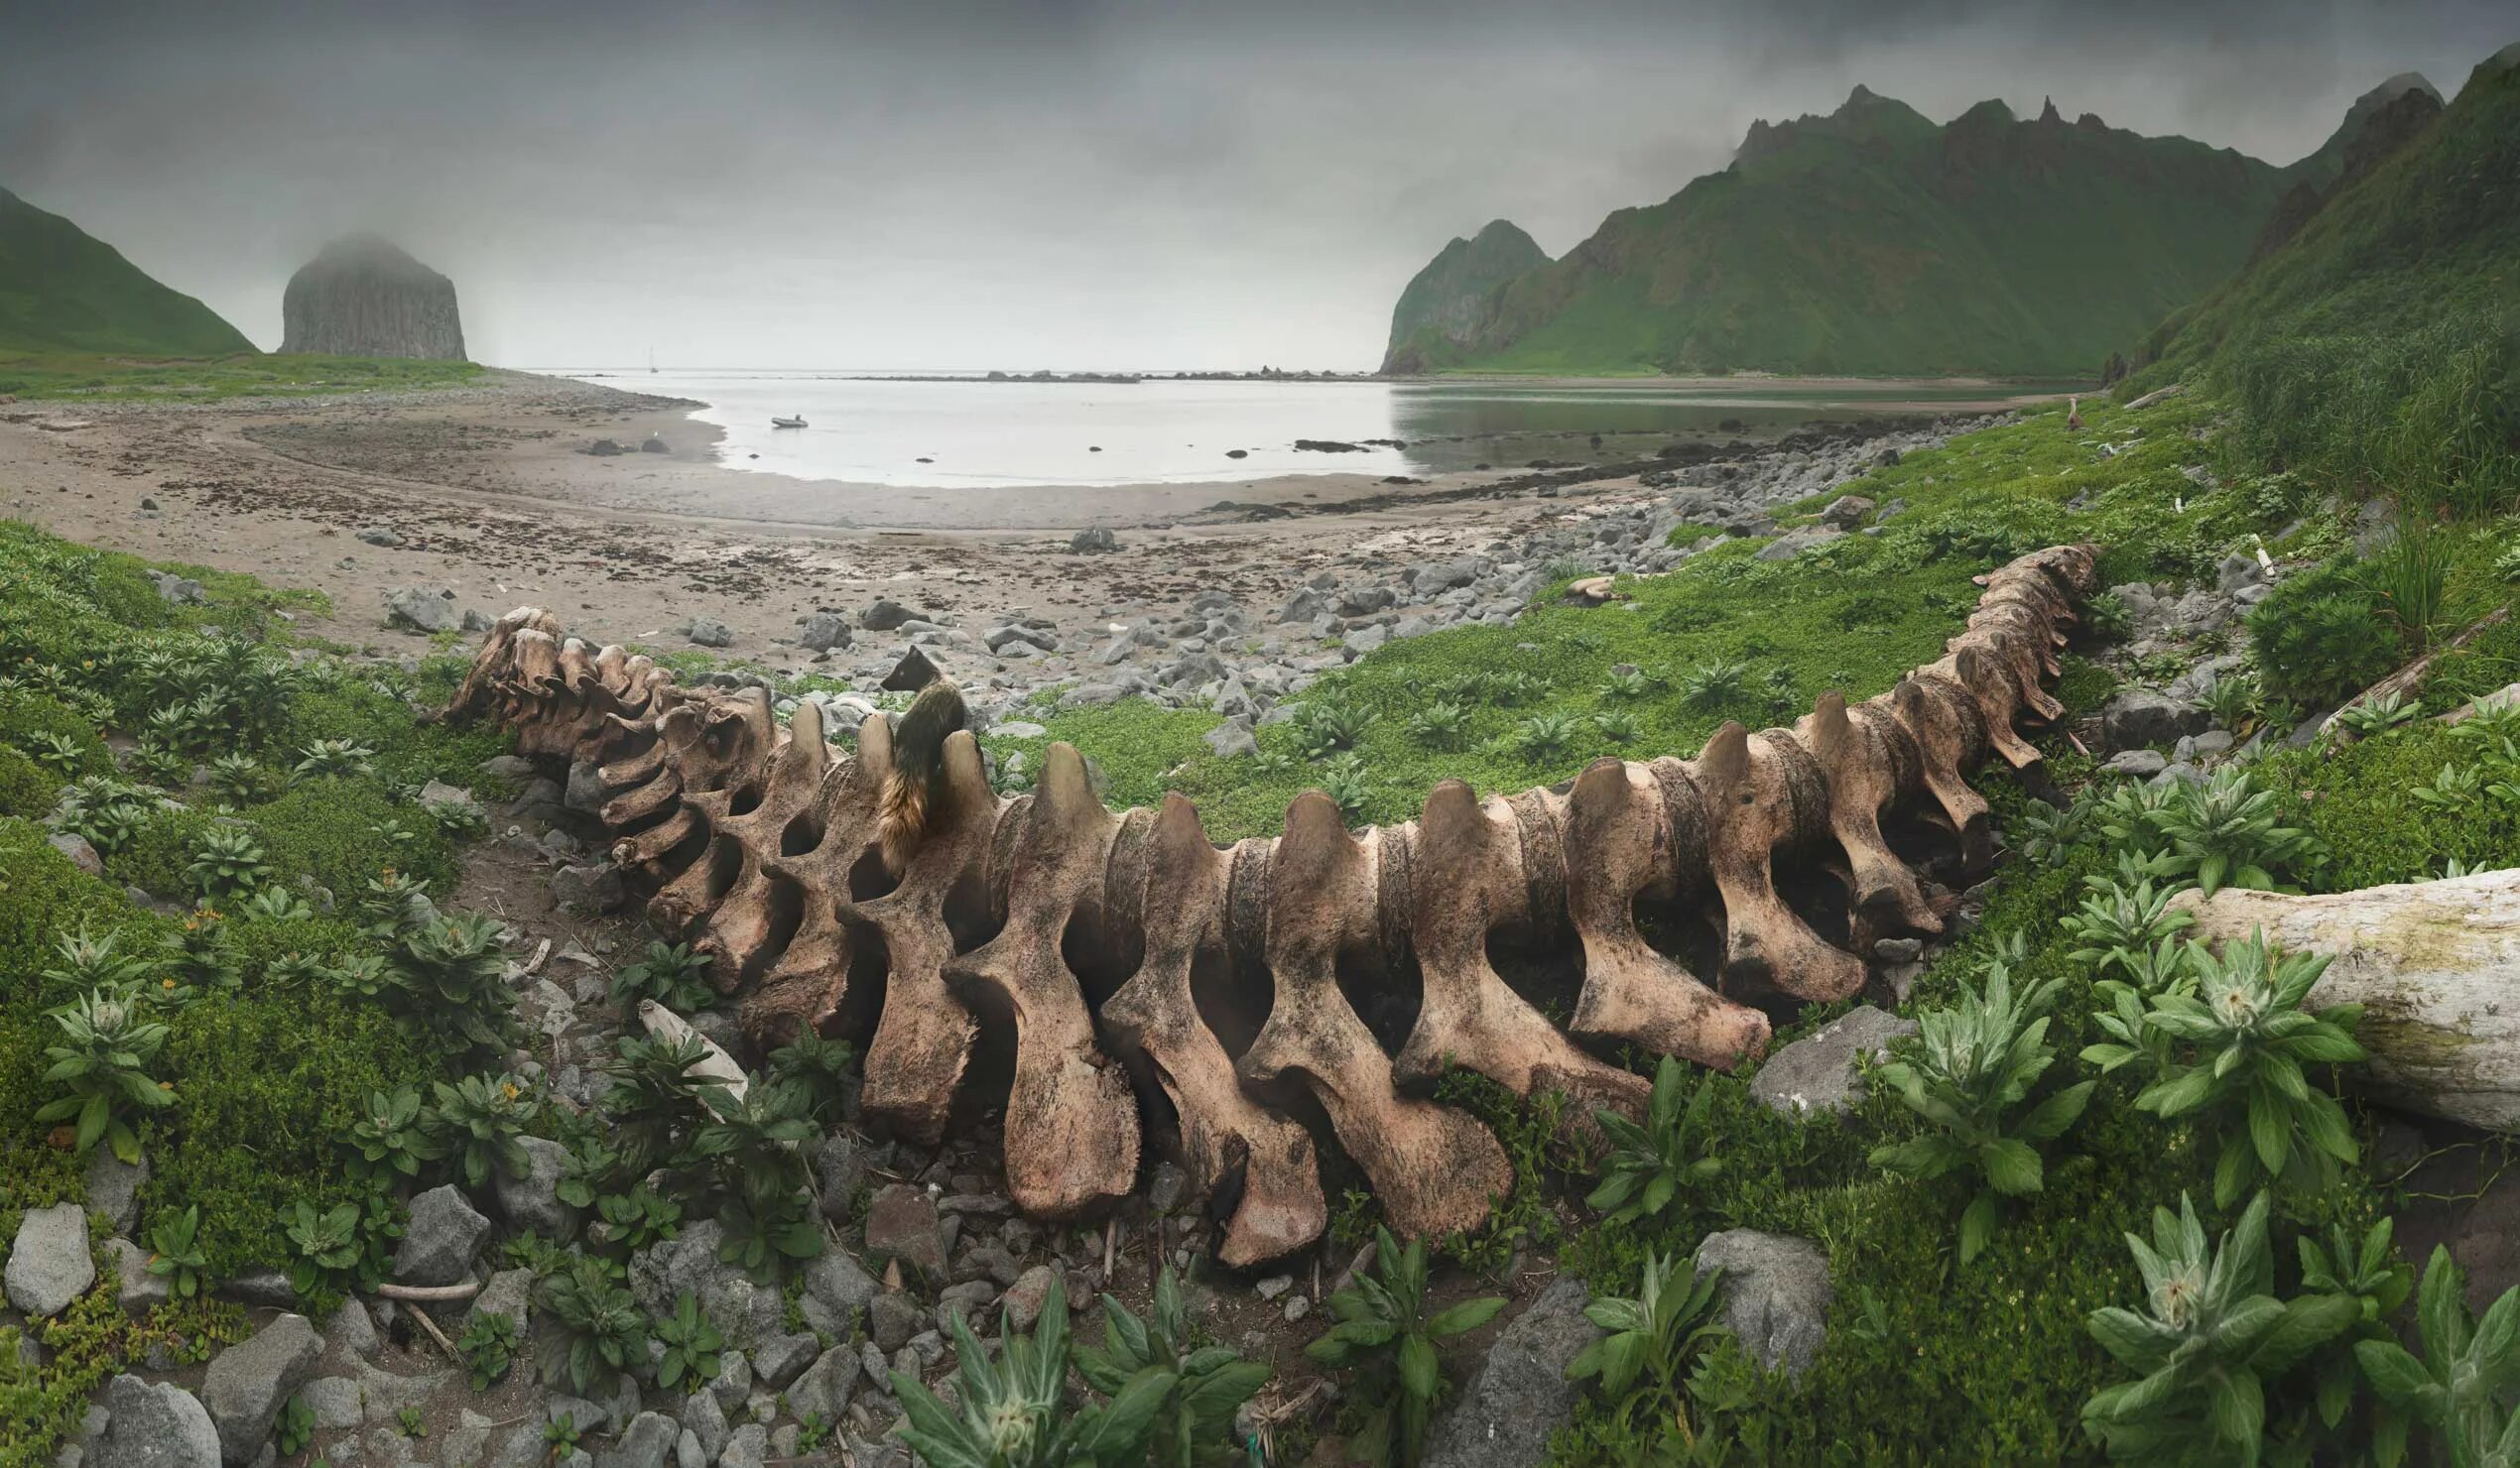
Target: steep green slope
[2378, 345]
[64, 289]
[1875, 241]
[1440, 309]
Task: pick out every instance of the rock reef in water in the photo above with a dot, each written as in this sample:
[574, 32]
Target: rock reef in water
[363, 296]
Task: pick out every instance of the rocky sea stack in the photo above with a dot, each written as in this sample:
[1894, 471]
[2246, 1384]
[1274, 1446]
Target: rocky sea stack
[363, 296]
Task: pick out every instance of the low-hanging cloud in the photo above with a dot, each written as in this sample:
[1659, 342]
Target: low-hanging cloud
[1033, 183]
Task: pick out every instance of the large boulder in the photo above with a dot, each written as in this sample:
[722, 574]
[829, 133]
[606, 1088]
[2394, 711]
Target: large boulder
[2136, 717]
[363, 296]
[422, 609]
[248, 1382]
[438, 1242]
[154, 1426]
[113, 1188]
[1819, 1071]
[49, 1264]
[901, 1223]
[1521, 1394]
[1776, 1295]
[533, 1200]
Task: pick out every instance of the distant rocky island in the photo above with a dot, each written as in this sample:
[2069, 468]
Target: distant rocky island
[363, 297]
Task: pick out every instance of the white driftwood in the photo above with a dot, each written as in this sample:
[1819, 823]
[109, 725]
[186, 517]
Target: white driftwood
[2436, 966]
[664, 1024]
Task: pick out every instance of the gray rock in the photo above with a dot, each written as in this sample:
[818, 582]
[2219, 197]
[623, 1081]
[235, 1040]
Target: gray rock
[892, 1318]
[969, 1299]
[113, 1187]
[247, 1382]
[421, 609]
[748, 1446]
[1231, 739]
[643, 1444]
[49, 1265]
[884, 615]
[743, 1311]
[1776, 1295]
[1521, 1394]
[83, 857]
[735, 1380]
[268, 1287]
[141, 1291]
[1794, 542]
[1817, 1071]
[158, 1426]
[705, 1422]
[708, 632]
[836, 1291]
[1847, 511]
[1093, 539]
[533, 1200]
[334, 1400]
[822, 631]
[687, 1452]
[1362, 640]
[1166, 1188]
[384, 1394]
[438, 1242]
[777, 1359]
[826, 1385]
[377, 535]
[1363, 600]
[2139, 716]
[2140, 763]
[589, 890]
[178, 590]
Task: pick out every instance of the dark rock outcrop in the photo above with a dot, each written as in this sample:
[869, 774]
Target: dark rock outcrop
[364, 298]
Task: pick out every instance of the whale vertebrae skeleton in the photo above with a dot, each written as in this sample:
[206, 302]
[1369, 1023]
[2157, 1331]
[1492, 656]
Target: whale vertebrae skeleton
[1126, 954]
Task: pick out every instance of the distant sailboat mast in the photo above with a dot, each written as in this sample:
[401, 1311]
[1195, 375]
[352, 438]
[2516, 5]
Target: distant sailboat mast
[650, 361]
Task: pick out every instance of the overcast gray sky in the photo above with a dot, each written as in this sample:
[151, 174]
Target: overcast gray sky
[1033, 183]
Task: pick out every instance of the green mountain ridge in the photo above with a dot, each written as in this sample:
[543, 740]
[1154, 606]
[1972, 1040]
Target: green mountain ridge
[1875, 241]
[1441, 306]
[64, 289]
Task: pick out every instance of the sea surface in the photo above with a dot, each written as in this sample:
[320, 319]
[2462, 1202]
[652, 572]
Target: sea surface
[867, 429]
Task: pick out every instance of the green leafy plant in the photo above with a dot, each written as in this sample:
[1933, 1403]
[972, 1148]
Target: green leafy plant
[394, 906]
[1193, 1424]
[2231, 702]
[2044, 832]
[671, 974]
[326, 1246]
[1652, 1165]
[559, 1437]
[457, 818]
[226, 861]
[1649, 1339]
[392, 1138]
[638, 1218]
[588, 1167]
[598, 1330]
[1617, 725]
[653, 1101]
[1385, 1333]
[196, 953]
[2368, 1272]
[2128, 930]
[159, 765]
[1542, 735]
[477, 1121]
[175, 1252]
[294, 1427]
[2379, 716]
[2241, 1016]
[2459, 1388]
[2224, 831]
[451, 973]
[2408, 576]
[690, 1346]
[83, 962]
[1010, 1412]
[1710, 687]
[106, 1046]
[2209, 1338]
[239, 778]
[1964, 1071]
[1344, 780]
[815, 1072]
[58, 753]
[277, 903]
[1628, 683]
[488, 1347]
[1443, 724]
[1321, 726]
[333, 759]
[768, 1216]
[412, 1423]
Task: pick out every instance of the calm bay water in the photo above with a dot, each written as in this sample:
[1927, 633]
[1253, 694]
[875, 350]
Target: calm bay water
[1162, 431]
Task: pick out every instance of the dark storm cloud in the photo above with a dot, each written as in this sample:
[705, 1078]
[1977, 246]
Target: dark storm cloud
[1033, 183]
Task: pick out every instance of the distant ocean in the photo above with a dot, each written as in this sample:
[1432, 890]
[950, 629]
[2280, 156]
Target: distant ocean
[995, 435]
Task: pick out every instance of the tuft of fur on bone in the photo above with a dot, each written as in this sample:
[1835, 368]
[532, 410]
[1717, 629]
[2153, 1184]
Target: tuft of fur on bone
[1156, 985]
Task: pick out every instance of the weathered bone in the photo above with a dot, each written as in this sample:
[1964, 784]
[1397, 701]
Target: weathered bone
[758, 843]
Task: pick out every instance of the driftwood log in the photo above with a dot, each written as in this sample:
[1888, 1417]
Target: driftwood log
[1323, 978]
[2436, 966]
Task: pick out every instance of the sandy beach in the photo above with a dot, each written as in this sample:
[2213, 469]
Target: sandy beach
[492, 493]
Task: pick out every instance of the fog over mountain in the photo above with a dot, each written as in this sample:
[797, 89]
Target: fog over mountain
[1077, 185]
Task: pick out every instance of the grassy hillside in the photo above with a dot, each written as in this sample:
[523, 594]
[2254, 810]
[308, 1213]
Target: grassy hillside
[2377, 347]
[1441, 306]
[1875, 241]
[62, 290]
